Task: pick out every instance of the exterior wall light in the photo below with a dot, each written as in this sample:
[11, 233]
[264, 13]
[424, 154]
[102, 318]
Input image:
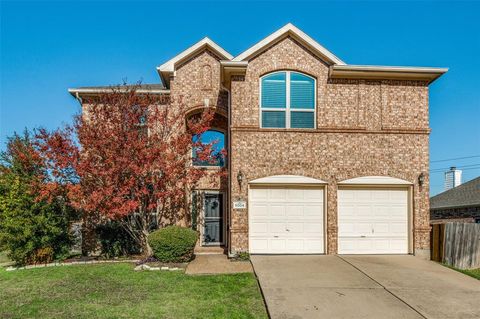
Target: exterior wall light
[240, 177]
[421, 179]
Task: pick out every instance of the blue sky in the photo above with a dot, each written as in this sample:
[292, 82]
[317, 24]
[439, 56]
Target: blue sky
[48, 47]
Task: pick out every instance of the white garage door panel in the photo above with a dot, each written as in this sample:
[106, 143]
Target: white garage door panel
[372, 221]
[286, 221]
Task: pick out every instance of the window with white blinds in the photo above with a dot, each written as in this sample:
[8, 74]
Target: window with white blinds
[287, 100]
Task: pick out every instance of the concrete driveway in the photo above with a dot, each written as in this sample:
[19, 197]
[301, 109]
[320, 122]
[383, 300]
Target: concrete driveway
[364, 287]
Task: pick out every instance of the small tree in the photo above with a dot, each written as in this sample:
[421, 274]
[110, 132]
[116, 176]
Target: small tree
[133, 162]
[31, 230]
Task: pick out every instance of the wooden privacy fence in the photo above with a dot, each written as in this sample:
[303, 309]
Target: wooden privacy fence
[456, 244]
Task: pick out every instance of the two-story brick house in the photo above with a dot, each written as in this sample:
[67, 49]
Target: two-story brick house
[323, 157]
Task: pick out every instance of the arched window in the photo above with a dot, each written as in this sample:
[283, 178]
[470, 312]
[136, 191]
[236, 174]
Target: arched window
[288, 100]
[217, 139]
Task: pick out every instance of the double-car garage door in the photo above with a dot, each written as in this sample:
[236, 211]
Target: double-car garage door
[290, 220]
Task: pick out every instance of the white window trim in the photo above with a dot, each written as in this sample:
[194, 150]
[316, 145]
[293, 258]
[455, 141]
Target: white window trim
[287, 109]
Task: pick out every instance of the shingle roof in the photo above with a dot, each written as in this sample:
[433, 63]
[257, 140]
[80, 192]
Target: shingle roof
[467, 194]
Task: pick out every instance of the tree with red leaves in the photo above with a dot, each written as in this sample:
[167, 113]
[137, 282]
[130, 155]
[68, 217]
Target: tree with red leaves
[128, 158]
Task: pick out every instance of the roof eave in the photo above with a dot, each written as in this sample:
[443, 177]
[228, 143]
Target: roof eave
[289, 29]
[91, 91]
[379, 72]
[168, 67]
[455, 206]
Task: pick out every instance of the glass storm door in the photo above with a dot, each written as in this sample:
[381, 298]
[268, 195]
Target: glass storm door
[213, 231]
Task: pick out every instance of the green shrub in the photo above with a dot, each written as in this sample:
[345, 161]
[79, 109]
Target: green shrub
[173, 243]
[115, 241]
[41, 256]
[31, 230]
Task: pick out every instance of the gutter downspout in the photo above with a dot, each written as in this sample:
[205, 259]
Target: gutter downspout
[229, 178]
[79, 99]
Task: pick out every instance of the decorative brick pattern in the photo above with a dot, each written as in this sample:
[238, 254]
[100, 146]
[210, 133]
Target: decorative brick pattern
[198, 80]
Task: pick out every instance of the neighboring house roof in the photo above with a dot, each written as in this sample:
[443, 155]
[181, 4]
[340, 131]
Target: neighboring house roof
[289, 30]
[140, 88]
[467, 194]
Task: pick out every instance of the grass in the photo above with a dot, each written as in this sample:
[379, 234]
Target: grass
[117, 291]
[475, 273]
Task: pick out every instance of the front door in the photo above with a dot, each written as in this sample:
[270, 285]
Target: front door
[213, 230]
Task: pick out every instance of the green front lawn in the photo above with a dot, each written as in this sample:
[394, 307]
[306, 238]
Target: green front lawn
[116, 291]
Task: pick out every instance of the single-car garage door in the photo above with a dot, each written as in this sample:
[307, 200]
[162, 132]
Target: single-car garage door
[285, 220]
[373, 221]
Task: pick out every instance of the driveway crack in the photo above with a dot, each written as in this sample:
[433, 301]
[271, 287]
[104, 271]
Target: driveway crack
[390, 292]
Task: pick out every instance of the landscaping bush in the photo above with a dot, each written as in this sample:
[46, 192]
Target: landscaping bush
[173, 244]
[115, 241]
[32, 229]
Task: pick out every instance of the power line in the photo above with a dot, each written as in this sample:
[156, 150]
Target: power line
[453, 159]
[462, 167]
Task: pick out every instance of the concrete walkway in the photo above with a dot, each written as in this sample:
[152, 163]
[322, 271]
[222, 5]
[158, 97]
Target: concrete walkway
[216, 264]
[364, 287]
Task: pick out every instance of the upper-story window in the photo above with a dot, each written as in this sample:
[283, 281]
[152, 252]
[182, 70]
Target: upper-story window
[216, 140]
[287, 100]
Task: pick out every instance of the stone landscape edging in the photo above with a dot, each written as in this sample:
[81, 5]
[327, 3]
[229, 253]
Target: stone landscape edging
[87, 262]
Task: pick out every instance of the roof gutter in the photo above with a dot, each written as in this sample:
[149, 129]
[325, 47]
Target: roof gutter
[91, 91]
[378, 72]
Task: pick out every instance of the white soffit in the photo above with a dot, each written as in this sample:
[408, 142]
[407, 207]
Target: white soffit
[299, 35]
[375, 180]
[287, 179]
[169, 66]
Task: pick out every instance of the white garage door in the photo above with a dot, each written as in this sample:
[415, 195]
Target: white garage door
[286, 221]
[372, 221]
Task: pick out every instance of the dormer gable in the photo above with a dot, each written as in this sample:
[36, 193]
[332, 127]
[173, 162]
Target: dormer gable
[168, 68]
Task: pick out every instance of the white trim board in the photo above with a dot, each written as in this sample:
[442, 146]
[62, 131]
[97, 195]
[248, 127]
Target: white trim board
[290, 29]
[169, 66]
[287, 179]
[375, 180]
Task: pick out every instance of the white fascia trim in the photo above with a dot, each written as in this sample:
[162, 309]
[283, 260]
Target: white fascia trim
[384, 68]
[290, 28]
[287, 179]
[169, 66]
[98, 91]
[375, 180]
[234, 64]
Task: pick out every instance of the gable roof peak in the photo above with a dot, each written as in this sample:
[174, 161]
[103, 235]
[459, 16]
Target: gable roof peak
[299, 35]
[169, 66]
